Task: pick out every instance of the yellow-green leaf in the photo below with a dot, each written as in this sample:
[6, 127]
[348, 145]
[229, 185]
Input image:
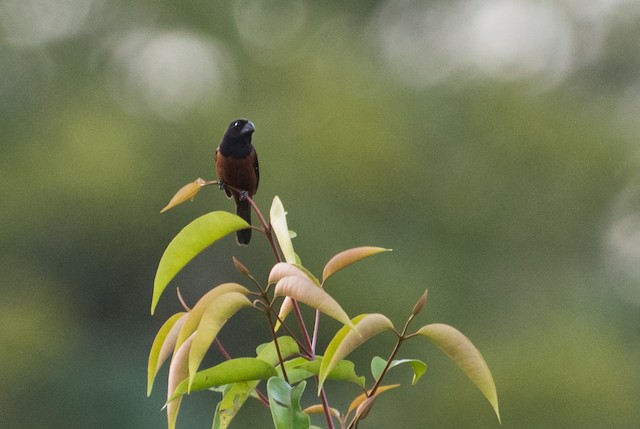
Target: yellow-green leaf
[278, 218]
[187, 192]
[193, 239]
[344, 370]
[347, 340]
[218, 312]
[194, 316]
[468, 358]
[163, 345]
[227, 372]
[319, 409]
[348, 257]
[304, 290]
[232, 401]
[268, 353]
[237, 393]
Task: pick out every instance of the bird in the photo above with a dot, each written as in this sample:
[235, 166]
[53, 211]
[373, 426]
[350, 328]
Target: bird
[237, 166]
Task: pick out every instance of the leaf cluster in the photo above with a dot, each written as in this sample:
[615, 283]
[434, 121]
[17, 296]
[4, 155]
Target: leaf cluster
[288, 362]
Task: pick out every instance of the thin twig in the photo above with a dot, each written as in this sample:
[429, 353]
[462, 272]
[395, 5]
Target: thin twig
[401, 338]
[184, 304]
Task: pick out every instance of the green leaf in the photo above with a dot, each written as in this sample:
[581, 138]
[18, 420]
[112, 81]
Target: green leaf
[468, 358]
[306, 291]
[348, 257]
[288, 347]
[378, 364]
[346, 340]
[230, 371]
[193, 239]
[236, 395]
[214, 318]
[193, 319]
[163, 345]
[342, 371]
[278, 218]
[232, 401]
[285, 404]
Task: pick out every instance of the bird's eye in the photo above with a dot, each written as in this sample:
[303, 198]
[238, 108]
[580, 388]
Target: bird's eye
[236, 124]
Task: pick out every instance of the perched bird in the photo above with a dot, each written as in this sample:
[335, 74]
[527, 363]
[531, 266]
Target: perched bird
[237, 166]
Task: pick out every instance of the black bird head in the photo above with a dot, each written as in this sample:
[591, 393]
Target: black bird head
[236, 141]
[240, 130]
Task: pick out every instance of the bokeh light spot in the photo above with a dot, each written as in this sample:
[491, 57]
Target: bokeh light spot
[168, 73]
[35, 22]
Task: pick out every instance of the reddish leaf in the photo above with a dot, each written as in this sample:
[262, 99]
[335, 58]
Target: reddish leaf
[348, 257]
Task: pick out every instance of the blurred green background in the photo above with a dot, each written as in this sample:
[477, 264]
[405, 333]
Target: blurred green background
[492, 144]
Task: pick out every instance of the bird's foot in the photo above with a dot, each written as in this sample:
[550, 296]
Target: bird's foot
[244, 195]
[221, 184]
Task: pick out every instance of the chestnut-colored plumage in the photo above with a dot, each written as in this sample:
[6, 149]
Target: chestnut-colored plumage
[237, 166]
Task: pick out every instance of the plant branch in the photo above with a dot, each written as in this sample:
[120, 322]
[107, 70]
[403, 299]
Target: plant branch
[277, 346]
[325, 406]
[401, 338]
[266, 227]
[316, 327]
[309, 344]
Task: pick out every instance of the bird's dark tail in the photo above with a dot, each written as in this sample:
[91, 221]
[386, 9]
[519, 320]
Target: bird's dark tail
[243, 209]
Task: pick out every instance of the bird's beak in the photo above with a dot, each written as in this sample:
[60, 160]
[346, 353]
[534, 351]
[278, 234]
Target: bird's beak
[248, 128]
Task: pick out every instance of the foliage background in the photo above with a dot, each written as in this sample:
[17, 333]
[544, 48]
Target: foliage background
[492, 145]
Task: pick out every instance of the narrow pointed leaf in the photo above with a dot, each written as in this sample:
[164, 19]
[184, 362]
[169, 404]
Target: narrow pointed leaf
[378, 364]
[186, 193]
[304, 290]
[214, 318]
[348, 257]
[361, 398]
[193, 239]
[285, 308]
[420, 304]
[217, 418]
[278, 219]
[284, 402]
[194, 316]
[228, 372]
[236, 395]
[163, 345]
[468, 358]
[242, 269]
[347, 340]
[178, 371]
